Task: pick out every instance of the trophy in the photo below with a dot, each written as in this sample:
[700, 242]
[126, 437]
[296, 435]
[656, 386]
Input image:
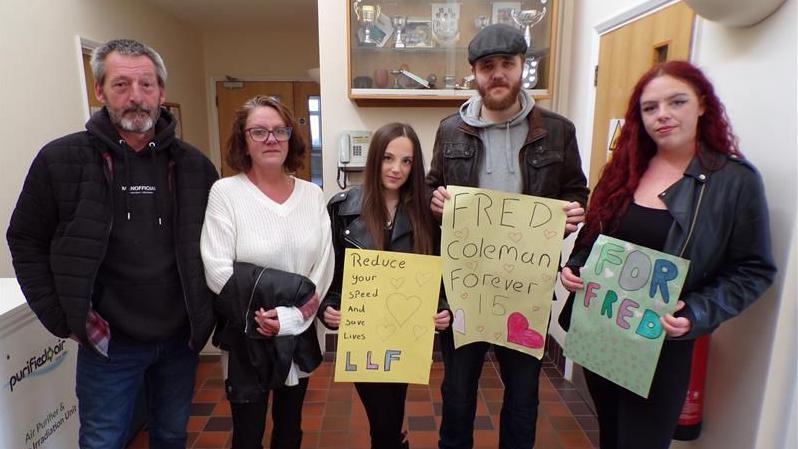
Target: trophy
[399, 23]
[527, 19]
[481, 22]
[445, 18]
[367, 16]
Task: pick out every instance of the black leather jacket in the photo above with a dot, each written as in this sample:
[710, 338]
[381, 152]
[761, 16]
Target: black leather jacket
[720, 223]
[250, 288]
[549, 159]
[349, 231]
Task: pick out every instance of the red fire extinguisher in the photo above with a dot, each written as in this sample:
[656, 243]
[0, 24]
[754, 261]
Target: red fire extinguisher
[689, 426]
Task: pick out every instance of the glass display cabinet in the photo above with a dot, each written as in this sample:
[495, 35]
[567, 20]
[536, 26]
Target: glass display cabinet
[415, 52]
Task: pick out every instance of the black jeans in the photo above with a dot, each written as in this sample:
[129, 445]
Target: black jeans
[463, 366]
[249, 419]
[385, 408]
[629, 421]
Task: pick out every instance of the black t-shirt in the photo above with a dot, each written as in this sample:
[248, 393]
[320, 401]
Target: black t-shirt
[644, 226]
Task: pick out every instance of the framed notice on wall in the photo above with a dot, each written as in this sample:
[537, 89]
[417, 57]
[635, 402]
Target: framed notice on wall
[174, 109]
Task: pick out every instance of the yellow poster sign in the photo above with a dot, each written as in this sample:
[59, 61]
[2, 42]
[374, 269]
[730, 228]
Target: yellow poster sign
[388, 304]
[500, 257]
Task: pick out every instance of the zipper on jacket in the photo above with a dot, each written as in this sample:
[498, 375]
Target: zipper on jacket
[175, 226]
[695, 217]
[108, 171]
[251, 297]
[353, 243]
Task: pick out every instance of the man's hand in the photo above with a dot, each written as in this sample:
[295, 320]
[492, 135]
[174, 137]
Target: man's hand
[268, 324]
[442, 320]
[436, 203]
[574, 214]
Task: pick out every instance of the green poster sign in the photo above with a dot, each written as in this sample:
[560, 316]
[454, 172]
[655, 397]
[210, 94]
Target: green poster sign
[615, 327]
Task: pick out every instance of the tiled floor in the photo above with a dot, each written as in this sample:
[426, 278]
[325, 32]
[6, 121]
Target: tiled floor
[333, 416]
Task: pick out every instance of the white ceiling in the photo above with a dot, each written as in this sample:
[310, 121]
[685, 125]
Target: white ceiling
[216, 15]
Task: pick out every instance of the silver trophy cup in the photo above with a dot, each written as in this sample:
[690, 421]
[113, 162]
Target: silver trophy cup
[528, 18]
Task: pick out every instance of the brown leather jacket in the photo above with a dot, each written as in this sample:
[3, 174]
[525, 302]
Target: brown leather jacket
[549, 159]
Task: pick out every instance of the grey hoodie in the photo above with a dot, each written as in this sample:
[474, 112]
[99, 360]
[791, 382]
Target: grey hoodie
[499, 168]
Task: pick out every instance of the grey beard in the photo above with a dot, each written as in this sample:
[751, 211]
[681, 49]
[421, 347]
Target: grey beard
[138, 124]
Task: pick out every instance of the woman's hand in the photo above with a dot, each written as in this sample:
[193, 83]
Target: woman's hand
[268, 324]
[439, 196]
[574, 214]
[570, 281]
[332, 317]
[676, 327]
[442, 320]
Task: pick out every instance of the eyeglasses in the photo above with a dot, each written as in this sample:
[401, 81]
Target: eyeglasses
[282, 133]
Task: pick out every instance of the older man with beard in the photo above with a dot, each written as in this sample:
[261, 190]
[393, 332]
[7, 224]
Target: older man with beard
[105, 244]
[501, 140]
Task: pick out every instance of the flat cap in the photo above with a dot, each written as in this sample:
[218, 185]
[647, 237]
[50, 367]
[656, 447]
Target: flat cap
[497, 39]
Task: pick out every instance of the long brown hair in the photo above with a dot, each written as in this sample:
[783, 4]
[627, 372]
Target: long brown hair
[237, 155]
[412, 194]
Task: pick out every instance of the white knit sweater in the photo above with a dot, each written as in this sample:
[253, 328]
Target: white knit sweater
[242, 224]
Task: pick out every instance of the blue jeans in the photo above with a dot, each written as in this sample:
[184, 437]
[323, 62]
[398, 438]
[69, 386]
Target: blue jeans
[462, 368]
[107, 391]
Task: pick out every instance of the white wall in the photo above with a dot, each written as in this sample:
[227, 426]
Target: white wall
[752, 367]
[43, 94]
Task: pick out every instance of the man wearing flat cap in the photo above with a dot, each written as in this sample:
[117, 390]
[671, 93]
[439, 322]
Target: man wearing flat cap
[501, 140]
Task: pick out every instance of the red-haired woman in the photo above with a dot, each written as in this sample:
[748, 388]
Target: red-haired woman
[677, 183]
[389, 212]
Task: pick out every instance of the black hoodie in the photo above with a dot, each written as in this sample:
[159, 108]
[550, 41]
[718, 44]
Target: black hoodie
[137, 289]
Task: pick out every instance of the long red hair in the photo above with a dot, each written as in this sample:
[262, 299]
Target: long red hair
[635, 148]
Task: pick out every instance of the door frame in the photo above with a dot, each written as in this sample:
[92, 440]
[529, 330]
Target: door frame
[213, 126]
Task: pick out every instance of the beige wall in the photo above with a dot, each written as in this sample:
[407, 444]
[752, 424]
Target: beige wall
[751, 384]
[265, 53]
[43, 94]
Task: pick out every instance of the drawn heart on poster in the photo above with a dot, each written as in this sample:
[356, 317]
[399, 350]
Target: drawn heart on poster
[461, 234]
[397, 282]
[423, 278]
[514, 236]
[518, 332]
[402, 307]
[464, 295]
[472, 265]
[480, 329]
[385, 331]
[458, 323]
[418, 331]
[508, 267]
[548, 233]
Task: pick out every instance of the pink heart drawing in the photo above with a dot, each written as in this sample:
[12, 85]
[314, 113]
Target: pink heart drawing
[461, 234]
[464, 295]
[518, 332]
[508, 267]
[548, 233]
[514, 236]
[471, 265]
[458, 324]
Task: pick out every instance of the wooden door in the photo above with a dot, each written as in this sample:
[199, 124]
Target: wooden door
[230, 95]
[624, 55]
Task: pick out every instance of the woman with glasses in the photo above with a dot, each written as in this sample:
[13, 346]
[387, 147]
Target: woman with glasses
[264, 217]
[388, 212]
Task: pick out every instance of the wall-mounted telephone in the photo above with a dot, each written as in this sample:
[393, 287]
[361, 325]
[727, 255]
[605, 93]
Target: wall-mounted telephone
[353, 150]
